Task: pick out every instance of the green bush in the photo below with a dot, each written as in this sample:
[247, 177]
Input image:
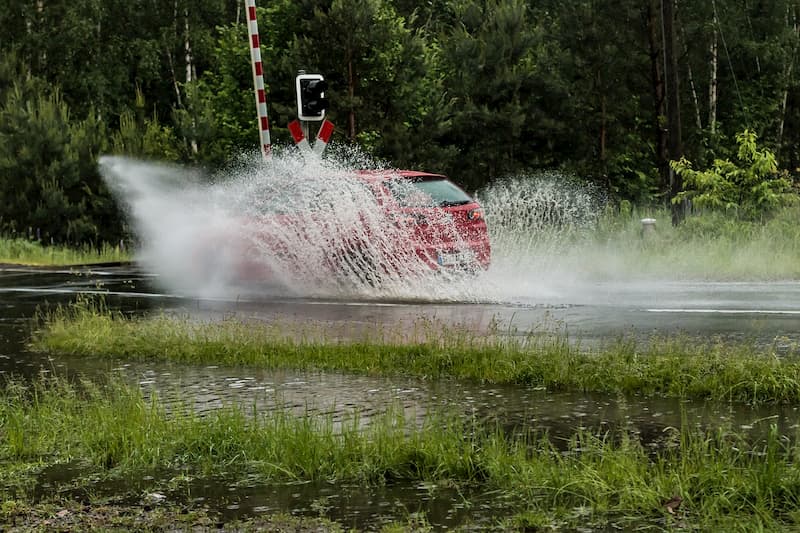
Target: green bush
[752, 186]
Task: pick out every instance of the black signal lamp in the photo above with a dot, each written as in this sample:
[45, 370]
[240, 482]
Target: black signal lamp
[311, 101]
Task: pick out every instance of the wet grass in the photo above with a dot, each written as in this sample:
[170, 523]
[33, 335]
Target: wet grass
[681, 368]
[722, 478]
[113, 426]
[711, 246]
[27, 252]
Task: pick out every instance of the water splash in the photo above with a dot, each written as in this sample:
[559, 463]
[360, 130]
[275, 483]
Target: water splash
[534, 218]
[539, 224]
[300, 228]
[554, 239]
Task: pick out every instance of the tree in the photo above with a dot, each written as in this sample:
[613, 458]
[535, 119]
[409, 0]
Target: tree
[143, 136]
[219, 109]
[495, 64]
[383, 82]
[49, 181]
[368, 56]
[672, 86]
[751, 186]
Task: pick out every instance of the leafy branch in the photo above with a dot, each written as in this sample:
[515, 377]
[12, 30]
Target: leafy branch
[752, 186]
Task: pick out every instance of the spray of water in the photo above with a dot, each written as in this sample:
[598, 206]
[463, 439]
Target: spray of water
[314, 229]
[539, 224]
[296, 227]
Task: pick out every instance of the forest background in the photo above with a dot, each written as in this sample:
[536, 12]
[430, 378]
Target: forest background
[610, 92]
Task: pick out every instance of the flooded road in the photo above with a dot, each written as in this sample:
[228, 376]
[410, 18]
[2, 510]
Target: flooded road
[765, 313]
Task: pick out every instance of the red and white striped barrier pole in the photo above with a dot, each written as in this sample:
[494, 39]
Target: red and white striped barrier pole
[323, 137]
[258, 80]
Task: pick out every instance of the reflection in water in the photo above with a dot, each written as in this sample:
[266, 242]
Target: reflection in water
[513, 408]
[355, 505]
[443, 507]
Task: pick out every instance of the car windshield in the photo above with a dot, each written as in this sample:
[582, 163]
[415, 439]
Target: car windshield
[427, 193]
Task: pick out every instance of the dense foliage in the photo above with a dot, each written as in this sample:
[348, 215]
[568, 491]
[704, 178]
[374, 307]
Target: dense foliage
[478, 89]
[751, 187]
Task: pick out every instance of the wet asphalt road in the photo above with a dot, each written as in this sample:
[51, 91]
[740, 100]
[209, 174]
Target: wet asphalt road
[764, 312]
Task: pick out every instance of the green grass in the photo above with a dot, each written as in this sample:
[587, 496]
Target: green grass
[680, 368]
[27, 252]
[112, 426]
[710, 246]
[724, 480]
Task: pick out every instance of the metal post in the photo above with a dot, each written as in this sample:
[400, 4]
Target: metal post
[648, 228]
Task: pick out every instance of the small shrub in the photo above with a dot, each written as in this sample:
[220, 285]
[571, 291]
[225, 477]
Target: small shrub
[752, 186]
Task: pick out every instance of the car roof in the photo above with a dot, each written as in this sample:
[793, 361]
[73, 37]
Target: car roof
[380, 175]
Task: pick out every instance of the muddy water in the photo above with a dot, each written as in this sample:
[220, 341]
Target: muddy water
[766, 313]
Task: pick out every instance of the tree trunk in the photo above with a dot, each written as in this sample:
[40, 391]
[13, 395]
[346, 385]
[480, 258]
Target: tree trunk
[190, 72]
[40, 15]
[791, 19]
[712, 73]
[674, 142]
[603, 129]
[657, 86]
[170, 59]
[175, 85]
[598, 87]
[752, 34]
[187, 47]
[698, 121]
[712, 86]
[351, 92]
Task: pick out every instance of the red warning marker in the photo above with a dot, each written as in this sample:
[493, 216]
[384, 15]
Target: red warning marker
[299, 138]
[323, 137]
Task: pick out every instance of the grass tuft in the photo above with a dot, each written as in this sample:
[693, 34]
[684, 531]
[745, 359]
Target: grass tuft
[682, 368]
[722, 478]
[33, 253]
[709, 246]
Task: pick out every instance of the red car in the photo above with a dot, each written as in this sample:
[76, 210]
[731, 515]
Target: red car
[368, 225]
[444, 226]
